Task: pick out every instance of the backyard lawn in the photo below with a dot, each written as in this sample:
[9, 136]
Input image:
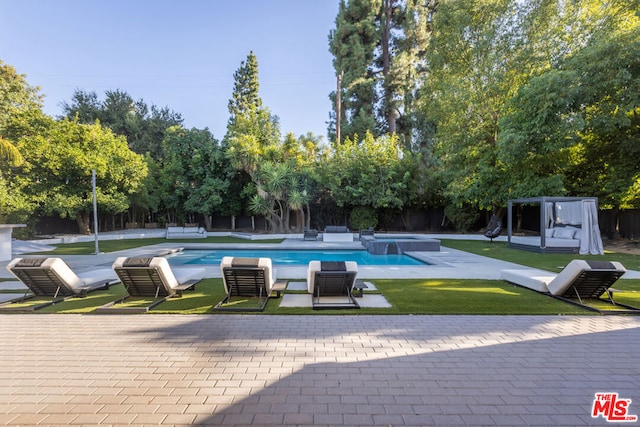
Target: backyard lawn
[407, 296]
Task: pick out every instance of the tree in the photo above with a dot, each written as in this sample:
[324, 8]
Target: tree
[20, 114]
[17, 98]
[57, 171]
[352, 44]
[277, 192]
[143, 126]
[578, 123]
[378, 48]
[246, 85]
[373, 172]
[196, 173]
[474, 58]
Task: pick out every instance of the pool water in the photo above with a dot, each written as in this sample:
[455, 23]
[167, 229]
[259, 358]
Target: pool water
[290, 257]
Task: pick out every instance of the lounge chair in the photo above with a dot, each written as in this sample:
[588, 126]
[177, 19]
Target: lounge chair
[52, 277]
[331, 284]
[579, 280]
[369, 232]
[151, 277]
[585, 279]
[248, 277]
[310, 234]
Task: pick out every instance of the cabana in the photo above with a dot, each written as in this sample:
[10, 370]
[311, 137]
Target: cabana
[566, 225]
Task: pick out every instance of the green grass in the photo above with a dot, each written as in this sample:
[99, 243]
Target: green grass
[549, 262]
[414, 296]
[89, 248]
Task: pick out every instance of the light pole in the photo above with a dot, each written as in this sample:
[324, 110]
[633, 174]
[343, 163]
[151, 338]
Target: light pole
[95, 208]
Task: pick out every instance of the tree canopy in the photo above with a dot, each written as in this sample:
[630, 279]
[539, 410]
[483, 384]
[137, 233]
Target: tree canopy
[450, 104]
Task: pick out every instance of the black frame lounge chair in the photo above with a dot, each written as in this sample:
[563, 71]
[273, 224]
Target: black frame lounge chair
[145, 277]
[578, 281]
[52, 277]
[310, 234]
[248, 277]
[586, 279]
[331, 284]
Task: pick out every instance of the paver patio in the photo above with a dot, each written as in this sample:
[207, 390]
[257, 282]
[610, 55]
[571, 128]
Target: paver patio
[259, 370]
[238, 370]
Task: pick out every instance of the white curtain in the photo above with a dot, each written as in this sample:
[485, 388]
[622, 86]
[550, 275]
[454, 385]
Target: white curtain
[590, 240]
[569, 213]
[548, 214]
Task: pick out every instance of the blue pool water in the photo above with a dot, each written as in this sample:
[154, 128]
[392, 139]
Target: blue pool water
[291, 258]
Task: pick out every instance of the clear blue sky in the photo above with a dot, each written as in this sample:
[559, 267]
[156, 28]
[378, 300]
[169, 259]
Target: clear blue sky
[179, 54]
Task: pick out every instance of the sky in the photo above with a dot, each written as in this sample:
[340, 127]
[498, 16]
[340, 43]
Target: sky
[178, 54]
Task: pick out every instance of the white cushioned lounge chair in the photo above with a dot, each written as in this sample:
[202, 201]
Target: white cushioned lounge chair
[151, 277]
[579, 280]
[52, 277]
[248, 277]
[331, 284]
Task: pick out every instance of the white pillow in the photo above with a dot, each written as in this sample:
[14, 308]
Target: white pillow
[564, 233]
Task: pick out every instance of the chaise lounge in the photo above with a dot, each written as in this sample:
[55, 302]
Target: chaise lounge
[249, 278]
[331, 284]
[337, 233]
[579, 280]
[310, 234]
[186, 233]
[151, 277]
[52, 277]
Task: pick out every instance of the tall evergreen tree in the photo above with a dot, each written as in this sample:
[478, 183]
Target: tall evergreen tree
[246, 85]
[353, 43]
[378, 48]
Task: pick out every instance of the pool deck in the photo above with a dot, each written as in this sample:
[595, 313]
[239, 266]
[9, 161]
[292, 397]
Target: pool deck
[317, 370]
[446, 264]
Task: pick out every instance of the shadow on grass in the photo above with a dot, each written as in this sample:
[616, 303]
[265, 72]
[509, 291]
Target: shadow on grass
[417, 296]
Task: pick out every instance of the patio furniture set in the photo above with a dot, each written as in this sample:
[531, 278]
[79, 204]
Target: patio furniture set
[154, 278]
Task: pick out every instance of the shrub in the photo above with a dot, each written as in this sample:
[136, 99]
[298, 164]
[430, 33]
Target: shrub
[363, 217]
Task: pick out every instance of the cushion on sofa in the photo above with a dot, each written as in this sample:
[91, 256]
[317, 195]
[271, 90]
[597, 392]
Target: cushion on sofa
[564, 232]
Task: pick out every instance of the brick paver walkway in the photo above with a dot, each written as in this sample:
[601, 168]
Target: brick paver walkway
[236, 370]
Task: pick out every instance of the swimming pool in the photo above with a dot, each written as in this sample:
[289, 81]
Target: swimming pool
[291, 257]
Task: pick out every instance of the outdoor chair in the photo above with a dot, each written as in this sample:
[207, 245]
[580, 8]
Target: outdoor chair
[368, 232]
[52, 277]
[586, 279]
[331, 284]
[494, 228]
[310, 234]
[145, 277]
[248, 278]
[578, 280]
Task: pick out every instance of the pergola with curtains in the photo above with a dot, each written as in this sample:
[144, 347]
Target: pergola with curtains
[567, 225]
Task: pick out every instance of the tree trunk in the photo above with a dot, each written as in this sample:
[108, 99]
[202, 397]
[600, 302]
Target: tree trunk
[386, 66]
[82, 219]
[300, 221]
[207, 222]
[338, 107]
[308, 217]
